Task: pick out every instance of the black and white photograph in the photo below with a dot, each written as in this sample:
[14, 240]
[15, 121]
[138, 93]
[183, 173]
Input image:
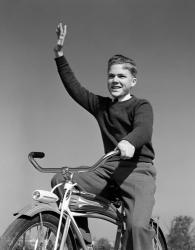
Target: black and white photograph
[97, 124]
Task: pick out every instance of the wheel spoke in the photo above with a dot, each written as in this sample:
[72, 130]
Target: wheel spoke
[36, 238]
[30, 234]
[157, 244]
[47, 237]
[23, 241]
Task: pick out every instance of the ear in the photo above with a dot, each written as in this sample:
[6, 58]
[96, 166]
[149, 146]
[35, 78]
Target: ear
[133, 82]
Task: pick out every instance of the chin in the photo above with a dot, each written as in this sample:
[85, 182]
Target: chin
[115, 95]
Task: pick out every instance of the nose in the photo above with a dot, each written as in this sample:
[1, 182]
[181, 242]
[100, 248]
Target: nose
[115, 79]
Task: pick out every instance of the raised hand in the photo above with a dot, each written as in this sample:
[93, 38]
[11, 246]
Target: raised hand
[61, 34]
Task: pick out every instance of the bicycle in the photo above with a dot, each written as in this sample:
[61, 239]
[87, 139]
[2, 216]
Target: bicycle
[46, 226]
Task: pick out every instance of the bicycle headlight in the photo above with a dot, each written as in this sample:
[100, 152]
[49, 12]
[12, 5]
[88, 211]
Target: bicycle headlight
[36, 195]
[44, 196]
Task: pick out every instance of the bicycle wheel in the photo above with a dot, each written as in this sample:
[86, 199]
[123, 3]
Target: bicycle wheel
[159, 242]
[32, 234]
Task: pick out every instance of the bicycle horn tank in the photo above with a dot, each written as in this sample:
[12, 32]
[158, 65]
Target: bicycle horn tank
[95, 206]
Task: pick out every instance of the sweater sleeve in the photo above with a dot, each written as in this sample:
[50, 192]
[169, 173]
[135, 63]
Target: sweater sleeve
[81, 95]
[142, 125]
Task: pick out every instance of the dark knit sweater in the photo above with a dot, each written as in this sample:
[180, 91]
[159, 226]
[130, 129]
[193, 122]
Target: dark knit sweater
[131, 120]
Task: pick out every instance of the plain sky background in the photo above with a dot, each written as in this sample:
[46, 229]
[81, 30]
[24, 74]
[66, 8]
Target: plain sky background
[36, 114]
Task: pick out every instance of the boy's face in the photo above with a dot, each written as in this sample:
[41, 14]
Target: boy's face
[120, 82]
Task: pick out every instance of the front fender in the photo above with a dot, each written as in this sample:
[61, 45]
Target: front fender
[31, 209]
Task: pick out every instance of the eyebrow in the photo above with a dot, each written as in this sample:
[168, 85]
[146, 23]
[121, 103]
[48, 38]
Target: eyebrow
[120, 74]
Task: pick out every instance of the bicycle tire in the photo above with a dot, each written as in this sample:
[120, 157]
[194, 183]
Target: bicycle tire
[159, 242]
[22, 233]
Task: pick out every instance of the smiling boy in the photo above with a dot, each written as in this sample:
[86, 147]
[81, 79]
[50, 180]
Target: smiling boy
[125, 123]
[120, 79]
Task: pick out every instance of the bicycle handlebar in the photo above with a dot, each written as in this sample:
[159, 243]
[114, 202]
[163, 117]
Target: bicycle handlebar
[33, 155]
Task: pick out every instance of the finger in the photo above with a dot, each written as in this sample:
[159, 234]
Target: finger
[61, 28]
[65, 29]
[122, 153]
[63, 34]
[124, 156]
[58, 30]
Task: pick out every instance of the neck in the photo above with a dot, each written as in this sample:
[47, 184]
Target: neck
[124, 98]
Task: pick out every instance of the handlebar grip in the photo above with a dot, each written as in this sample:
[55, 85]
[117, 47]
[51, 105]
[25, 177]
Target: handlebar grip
[39, 155]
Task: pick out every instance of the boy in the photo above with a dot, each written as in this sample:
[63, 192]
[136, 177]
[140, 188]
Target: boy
[126, 124]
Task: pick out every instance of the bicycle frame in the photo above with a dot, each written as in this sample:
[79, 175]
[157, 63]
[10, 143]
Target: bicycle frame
[87, 205]
[67, 212]
[78, 203]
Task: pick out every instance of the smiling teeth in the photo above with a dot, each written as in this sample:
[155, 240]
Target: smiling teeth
[116, 87]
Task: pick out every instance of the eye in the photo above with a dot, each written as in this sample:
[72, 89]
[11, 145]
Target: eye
[110, 76]
[121, 76]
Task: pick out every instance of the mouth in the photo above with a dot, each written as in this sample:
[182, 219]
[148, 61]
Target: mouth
[115, 87]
